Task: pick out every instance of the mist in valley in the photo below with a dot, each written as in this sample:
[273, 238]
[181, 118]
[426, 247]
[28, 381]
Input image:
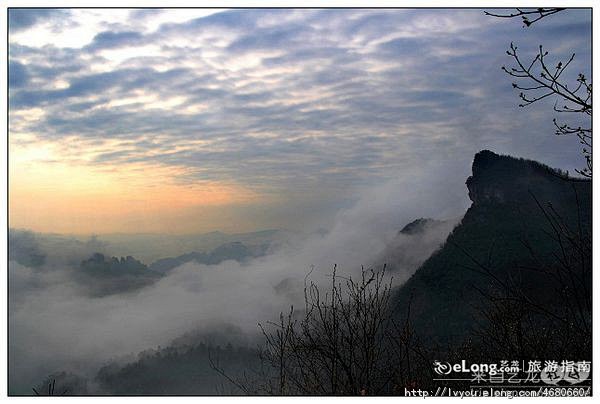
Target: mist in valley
[62, 319]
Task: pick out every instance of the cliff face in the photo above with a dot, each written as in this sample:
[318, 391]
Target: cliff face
[505, 228]
[479, 190]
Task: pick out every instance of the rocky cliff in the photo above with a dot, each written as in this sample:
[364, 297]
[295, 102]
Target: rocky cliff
[505, 230]
[505, 179]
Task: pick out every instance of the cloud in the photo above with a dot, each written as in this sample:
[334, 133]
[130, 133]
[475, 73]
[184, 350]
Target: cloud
[292, 99]
[17, 74]
[109, 39]
[379, 110]
[20, 19]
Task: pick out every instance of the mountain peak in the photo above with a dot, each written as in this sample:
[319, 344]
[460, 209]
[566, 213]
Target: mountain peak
[418, 226]
[498, 178]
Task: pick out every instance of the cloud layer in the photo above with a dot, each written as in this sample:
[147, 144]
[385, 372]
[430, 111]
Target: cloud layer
[282, 101]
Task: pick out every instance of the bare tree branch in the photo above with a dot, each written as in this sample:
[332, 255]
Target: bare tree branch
[537, 81]
[529, 16]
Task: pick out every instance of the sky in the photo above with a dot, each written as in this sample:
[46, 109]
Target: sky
[193, 120]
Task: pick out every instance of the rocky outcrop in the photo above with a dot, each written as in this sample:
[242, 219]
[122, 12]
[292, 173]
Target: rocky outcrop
[505, 179]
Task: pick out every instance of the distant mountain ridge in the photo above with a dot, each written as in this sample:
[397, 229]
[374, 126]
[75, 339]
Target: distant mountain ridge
[235, 250]
[32, 249]
[104, 276]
